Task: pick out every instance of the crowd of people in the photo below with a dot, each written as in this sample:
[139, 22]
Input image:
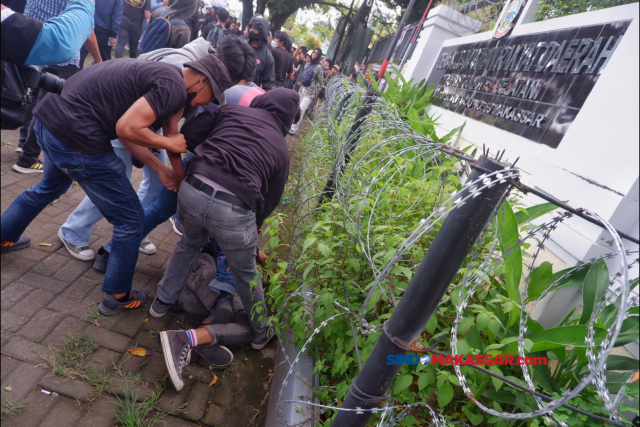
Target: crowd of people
[204, 114]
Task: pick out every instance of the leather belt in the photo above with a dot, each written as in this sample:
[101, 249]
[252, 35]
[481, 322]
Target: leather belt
[220, 195]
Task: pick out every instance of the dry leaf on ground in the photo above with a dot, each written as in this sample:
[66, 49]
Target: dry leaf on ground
[138, 352]
[9, 388]
[95, 322]
[214, 380]
[145, 320]
[46, 244]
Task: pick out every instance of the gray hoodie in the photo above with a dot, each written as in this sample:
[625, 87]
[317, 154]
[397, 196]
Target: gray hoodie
[188, 53]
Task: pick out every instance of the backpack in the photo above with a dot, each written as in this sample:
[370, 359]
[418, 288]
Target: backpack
[307, 75]
[157, 34]
[215, 35]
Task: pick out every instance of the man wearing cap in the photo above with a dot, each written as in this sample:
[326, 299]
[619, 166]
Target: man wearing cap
[125, 99]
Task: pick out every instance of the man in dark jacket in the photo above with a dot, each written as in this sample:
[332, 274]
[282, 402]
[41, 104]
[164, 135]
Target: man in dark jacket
[281, 45]
[107, 19]
[265, 65]
[234, 182]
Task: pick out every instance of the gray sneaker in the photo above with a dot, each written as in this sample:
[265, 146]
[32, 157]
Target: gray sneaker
[259, 345]
[102, 259]
[110, 305]
[146, 247]
[176, 348]
[83, 253]
[159, 308]
[218, 355]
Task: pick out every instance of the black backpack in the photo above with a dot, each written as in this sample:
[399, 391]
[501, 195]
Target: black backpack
[215, 35]
[307, 75]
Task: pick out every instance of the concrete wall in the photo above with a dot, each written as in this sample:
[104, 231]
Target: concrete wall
[596, 166]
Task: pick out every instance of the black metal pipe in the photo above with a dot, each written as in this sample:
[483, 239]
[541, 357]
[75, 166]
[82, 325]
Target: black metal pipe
[445, 256]
[352, 141]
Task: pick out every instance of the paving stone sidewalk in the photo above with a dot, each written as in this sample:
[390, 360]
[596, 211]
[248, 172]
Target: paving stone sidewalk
[47, 294]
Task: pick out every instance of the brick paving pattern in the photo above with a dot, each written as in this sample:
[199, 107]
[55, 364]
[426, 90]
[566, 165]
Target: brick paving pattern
[47, 294]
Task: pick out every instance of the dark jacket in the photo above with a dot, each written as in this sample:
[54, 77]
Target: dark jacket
[265, 65]
[244, 150]
[109, 16]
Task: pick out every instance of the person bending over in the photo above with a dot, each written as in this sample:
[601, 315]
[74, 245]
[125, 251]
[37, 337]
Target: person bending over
[233, 183]
[115, 99]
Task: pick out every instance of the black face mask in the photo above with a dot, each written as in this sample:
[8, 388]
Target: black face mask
[254, 37]
[190, 97]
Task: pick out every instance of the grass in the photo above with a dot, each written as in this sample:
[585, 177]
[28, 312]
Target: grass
[92, 315]
[131, 413]
[13, 408]
[70, 360]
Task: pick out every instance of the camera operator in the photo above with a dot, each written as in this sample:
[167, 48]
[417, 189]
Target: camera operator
[46, 11]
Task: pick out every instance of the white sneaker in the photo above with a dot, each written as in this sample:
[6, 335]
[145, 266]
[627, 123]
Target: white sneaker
[146, 247]
[83, 253]
[19, 150]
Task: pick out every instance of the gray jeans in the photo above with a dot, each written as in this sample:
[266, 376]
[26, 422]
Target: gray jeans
[235, 231]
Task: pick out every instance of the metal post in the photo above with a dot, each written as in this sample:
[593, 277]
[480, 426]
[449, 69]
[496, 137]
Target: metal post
[444, 258]
[352, 141]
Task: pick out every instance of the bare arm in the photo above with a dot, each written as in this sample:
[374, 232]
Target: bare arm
[92, 46]
[147, 15]
[170, 127]
[134, 126]
[145, 156]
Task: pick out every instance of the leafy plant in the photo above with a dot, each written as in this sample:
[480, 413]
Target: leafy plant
[13, 408]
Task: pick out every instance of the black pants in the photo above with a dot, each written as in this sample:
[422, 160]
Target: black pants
[102, 36]
[31, 148]
[128, 33]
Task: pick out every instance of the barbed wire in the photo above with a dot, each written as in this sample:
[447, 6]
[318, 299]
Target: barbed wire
[366, 174]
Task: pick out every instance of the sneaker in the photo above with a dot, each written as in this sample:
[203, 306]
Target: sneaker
[110, 305]
[102, 258]
[33, 168]
[159, 308]
[222, 313]
[218, 355]
[176, 348]
[259, 345]
[83, 253]
[292, 132]
[22, 243]
[19, 150]
[146, 247]
[176, 226]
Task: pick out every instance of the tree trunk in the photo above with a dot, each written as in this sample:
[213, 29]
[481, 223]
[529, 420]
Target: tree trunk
[261, 5]
[278, 18]
[247, 12]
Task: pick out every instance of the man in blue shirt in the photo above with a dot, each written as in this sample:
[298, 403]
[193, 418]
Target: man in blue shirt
[108, 17]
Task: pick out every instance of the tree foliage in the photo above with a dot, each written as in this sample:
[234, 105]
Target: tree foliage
[549, 9]
[312, 42]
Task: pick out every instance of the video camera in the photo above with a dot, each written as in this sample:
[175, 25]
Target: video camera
[16, 79]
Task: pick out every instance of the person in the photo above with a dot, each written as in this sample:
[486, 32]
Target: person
[76, 232]
[180, 32]
[121, 99]
[265, 69]
[108, 17]
[283, 61]
[309, 93]
[218, 31]
[358, 73]
[134, 13]
[196, 21]
[245, 149]
[28, 160]
[299, 62]
[209, 22]
[29, 41]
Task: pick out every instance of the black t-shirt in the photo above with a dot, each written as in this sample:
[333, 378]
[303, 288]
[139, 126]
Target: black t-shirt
[84, 116]
[133, 11]
[283, 65]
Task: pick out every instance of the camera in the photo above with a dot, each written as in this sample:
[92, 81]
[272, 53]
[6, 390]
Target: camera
[16, 79]
[36, 79]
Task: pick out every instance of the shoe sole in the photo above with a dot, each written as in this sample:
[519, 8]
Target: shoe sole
[261, 346]
[168, 361]
[178, 232]
[26, 170]
[154, 314]
[213, 363]
[108, 311]
[73, 254]
[148, 251]
[18, 150]
[14, 248]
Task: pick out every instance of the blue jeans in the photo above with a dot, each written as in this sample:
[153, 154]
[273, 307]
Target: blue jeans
[105, 181]
[79, 226]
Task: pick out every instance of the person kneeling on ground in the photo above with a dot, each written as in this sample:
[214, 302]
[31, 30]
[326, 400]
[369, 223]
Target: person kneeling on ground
[234, 182]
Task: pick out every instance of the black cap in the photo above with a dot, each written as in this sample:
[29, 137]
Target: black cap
[215, 71]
